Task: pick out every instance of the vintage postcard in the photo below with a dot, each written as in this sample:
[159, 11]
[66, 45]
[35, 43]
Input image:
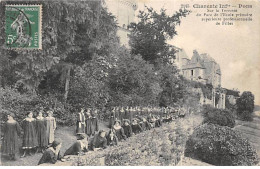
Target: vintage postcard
[130, 83]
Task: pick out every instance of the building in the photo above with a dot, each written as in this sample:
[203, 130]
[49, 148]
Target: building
[124, 11]
[201, 67]
[204, 69]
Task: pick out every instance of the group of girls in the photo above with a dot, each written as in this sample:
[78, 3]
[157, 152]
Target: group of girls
[87, 122]
[102, 139]
[37, 133]
[126, 121]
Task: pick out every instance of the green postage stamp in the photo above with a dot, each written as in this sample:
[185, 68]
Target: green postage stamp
[23, 26]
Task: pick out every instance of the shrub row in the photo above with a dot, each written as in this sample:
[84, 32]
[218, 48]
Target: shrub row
[220, 145]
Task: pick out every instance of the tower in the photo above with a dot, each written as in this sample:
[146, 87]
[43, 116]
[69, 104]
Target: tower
[124, 11]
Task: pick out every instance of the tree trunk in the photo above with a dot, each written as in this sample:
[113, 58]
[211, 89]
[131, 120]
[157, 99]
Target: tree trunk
[67, 82]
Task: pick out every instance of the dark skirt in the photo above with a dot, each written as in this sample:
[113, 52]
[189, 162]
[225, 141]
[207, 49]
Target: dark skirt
[136, 128]
[88, 126]
[128, 130]
[120, 134]
[41, 133]
[29, 137]
[10, 139]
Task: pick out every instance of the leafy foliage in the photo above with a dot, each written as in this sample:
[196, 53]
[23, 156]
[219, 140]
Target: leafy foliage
[245, 105]
[72, 33]
[222, 117]
[220, 146]
[83, 60]
[148, 36]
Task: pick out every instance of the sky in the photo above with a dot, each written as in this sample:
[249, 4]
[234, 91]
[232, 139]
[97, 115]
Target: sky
[236, 48]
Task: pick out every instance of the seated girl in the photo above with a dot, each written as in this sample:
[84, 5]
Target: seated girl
[81, 145]
[136, 128]
[127, 128]
[119, 130]
[99, 141]
[52, 154]
[144, 124]
[112, 138]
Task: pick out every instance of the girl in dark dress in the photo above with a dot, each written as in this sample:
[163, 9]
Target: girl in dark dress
[122, 114]
[11, 131]
[144, 124]
[112, 117]
[136, 128]
[112, 138]
[94, 122]
[158, 121]
[88, 123]
[29, 136]
[41, 132]
[81, 145]
[152, 120]
[127, 128]
[119, 130]
[99, 141]
[52, 154]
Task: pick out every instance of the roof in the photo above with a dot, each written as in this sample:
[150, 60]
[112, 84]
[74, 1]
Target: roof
[195, 57]
[232, 92]
[206, 58]
[193, 65]
[183, 54]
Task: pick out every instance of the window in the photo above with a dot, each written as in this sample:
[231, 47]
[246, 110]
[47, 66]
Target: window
[191, 72]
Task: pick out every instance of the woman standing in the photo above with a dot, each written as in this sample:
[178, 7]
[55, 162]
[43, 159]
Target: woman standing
[112, 117]
[81, 122]
[50, 127]
[88, 123]
[11, 131]
[29, 136]
[94, 122]
[41, 132]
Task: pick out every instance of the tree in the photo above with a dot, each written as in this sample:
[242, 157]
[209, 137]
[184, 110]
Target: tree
[245, 105]
[133, 81]
[72, 33]
[148, 37]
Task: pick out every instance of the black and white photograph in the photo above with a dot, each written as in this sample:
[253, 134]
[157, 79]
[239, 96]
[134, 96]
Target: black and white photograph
[129, 83]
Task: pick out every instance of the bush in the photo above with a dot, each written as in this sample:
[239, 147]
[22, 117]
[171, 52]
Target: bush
[20, 104]
[218, 116]
[245, 115]
[220, 145]
[245, 106]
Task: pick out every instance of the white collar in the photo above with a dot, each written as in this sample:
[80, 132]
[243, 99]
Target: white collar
[118, 127]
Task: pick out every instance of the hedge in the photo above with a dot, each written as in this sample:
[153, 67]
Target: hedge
[222, 117]
[220, 145]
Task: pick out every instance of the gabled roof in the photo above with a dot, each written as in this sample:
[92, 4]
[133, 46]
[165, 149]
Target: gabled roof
[195, 57]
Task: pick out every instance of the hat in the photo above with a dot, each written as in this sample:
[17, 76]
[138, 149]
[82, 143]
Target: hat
[126, 120]
[81, 136]
[55, 143]
[101, 131]
[117, 121]
[11, 114]
[50, 112]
